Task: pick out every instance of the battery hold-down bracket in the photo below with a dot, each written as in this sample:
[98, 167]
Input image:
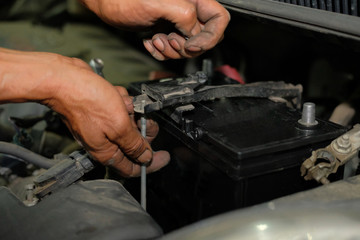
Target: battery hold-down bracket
[192, 88]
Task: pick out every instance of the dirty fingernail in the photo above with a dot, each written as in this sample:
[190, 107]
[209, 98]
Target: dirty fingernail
[158, 43]
[145, 157]
[158, 56]
[175, 44]
[194, 49]
[148, 45]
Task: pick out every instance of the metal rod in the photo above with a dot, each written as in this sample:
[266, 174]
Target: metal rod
[143, 167]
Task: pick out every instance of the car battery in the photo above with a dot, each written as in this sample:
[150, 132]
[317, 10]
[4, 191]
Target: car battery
[229, 153]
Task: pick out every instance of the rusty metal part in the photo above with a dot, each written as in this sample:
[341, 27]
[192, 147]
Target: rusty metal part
[327, 160]
[30, 199]
[192, 88]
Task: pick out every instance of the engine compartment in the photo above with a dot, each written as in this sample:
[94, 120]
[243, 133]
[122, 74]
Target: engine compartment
[228, 154]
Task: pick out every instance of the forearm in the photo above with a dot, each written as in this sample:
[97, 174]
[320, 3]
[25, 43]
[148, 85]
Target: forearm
[27, 76]
[91, 107]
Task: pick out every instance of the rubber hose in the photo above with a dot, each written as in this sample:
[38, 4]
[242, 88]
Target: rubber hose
[26, 155]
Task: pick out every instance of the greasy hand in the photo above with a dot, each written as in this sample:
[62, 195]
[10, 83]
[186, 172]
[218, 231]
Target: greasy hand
[100, 116]
[201, 23]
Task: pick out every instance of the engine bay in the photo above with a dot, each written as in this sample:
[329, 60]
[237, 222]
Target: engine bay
[262, 131]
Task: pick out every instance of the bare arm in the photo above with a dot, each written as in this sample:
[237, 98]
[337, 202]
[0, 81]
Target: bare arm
[97, 113]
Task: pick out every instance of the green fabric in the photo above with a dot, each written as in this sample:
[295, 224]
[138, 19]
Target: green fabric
[123, 63]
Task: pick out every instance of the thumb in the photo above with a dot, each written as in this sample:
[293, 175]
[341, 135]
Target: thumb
[128, 138]
[135, 147]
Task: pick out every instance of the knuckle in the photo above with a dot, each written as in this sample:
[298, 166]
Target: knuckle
[189, 13]
[136, 148]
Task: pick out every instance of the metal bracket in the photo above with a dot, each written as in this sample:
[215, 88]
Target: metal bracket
[327, 160]
[182, 91]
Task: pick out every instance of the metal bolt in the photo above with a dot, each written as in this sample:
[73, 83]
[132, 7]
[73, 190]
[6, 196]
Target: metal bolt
[97, 65]
[308, 115]
[346, 137]
[342, 144]
[198, 133]
[29, 192]
[207, 67]
[30, 199]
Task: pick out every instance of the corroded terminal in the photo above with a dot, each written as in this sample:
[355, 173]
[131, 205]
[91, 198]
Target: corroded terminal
[325, 161]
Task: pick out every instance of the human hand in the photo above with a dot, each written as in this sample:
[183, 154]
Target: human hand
[100, 117]
[200, 24]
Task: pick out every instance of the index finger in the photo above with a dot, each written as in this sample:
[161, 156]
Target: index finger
[215, 19]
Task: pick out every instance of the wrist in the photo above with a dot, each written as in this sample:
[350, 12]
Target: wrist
[27, 76]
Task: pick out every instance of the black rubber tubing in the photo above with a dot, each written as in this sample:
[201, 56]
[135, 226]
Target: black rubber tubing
[26, 155]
